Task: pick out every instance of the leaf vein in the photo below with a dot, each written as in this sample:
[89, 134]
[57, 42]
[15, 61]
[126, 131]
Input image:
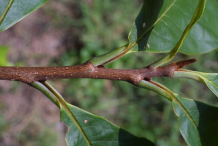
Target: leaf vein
[6, 10]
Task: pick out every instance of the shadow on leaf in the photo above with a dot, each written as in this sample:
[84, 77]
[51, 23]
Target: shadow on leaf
[127, 139]
[198, 122]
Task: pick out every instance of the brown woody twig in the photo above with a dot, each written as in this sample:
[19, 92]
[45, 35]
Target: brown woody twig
[88, 70]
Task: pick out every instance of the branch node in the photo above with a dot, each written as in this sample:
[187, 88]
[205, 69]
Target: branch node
[101, 66]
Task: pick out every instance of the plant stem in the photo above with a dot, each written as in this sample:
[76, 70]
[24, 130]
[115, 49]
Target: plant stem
[156, 87]
[54, 91]
[108, 57]
[46, 91]
[88, 70]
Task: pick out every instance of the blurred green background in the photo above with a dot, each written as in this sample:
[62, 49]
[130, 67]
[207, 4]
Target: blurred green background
[67, 32]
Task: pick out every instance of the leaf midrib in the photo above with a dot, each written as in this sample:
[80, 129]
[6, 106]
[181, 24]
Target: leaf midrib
[189, 116]
[63, 104]
[6, 10]
[205, 79]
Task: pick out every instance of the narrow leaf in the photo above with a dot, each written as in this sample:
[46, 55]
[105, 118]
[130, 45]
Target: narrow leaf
[198, 122]
[12, 11]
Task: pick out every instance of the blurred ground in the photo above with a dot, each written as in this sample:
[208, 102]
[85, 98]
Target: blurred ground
[67, 33]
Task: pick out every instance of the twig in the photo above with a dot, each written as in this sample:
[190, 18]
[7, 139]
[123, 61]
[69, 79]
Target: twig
[88, 70]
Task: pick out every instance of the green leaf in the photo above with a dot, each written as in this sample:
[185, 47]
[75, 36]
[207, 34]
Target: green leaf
[169, 56]
[210, 79]
[160, 25]
[198, 122]
[88, 129]
[12, 11]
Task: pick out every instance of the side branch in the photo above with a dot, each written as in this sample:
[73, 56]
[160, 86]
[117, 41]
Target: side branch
[88, 70]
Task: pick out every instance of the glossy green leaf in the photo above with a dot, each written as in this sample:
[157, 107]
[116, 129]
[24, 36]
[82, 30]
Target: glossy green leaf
[88, 129]
[198, 122]
[12, 11]
[210, 79]
[160, 25]
[197, 15]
